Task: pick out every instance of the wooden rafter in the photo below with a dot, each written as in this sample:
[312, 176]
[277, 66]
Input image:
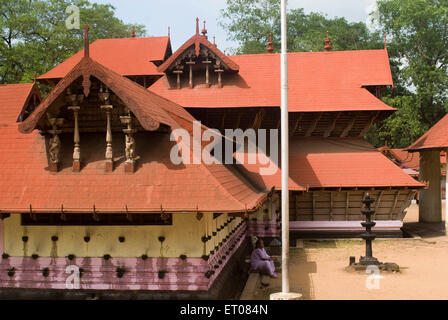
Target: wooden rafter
[348, 128]
[369, 124]
[238, 120]
[313, 125]
[223, 120]
[395, 204]
[332, 125]
[331, 206]
[347, 202]
[296, 124]
[314, 204]
[259, 116]
[378, 201]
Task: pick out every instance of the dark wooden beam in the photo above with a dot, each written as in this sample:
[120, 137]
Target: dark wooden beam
[349, 127]
[332, 125]
[313, 125]
[296, 124]
[369, 124]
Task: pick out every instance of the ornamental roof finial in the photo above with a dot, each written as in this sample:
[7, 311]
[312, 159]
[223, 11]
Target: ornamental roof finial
[169, 32]
[197, 26]
[214, 42]
[133, 32]
[327, 43]
[204, 31]
[86, 41]
[270, 47]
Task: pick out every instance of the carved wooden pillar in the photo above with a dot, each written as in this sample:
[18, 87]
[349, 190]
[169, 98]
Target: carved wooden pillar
[109, 152]
[104, 97]
[129, 144]
[219, 72]
[76, 140]
[190, 64]
[178, 73]
[207, 72]
[54, 147]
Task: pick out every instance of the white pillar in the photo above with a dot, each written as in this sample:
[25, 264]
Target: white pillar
[285, 294]
[285, 152]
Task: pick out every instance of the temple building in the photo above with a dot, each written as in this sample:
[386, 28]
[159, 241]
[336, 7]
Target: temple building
[88, 179]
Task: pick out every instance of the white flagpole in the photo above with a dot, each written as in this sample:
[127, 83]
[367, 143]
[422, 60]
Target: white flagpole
[284, 151]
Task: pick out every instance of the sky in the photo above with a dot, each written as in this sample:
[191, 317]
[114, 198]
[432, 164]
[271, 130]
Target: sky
[180, 15]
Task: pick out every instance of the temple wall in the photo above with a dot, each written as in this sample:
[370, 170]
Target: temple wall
[155, 273]
[181, 238]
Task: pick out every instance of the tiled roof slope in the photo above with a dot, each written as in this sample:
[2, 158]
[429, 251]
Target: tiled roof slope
[127, 56]
[14, 97]
[318, 81]
[336, 163]
[434, 138]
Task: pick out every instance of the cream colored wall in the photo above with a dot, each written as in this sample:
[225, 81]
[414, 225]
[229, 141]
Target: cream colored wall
[183, 237]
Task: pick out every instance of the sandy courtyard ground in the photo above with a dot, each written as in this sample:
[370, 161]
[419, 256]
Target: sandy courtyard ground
[317, 270]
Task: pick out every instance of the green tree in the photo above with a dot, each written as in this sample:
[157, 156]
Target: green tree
[34, 37]
[419, 57]
[249, 22]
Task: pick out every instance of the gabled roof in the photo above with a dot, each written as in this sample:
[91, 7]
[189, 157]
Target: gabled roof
[156, 185]
[336, 163]
[197, 40]
[16, 97]
[127, 56]
[434, 138]
[149, 108]
[318, 81]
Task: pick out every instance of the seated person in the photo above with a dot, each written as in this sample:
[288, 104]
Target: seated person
[261, 261]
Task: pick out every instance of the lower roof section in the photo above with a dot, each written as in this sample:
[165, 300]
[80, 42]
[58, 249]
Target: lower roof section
[156, 185]
[335, 163]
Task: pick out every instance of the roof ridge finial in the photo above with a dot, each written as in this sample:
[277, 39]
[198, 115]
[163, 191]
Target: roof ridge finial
[169, 32]
[86, 41]
[327, 43]
[214, 42]
[270, 47]
[35, 77]
[204, 31]
[133, 32]
[197, 26]
[385, 41]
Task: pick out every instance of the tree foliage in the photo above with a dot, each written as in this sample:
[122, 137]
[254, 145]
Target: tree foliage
[419, 57]
[249, 22]
[34, 37]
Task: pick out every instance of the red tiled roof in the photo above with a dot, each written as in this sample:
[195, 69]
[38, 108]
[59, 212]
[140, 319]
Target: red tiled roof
[434, 138]
[407, 159]
[196, 41]
[334, 163]
[127, 56]
[318, 81]
[14, 97]
[156, 184]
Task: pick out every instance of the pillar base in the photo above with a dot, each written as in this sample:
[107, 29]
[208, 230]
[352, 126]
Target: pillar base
[109, 166]
[53, 167]
[285, 296]
[76, 166]
[129, 167]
